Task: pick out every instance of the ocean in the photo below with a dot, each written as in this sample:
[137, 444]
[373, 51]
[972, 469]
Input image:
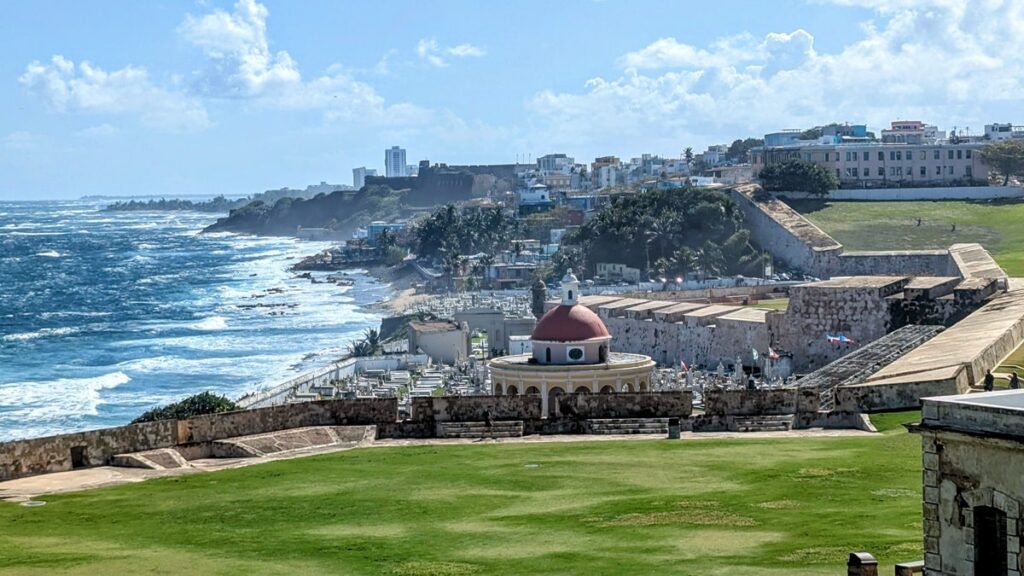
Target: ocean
[104, 315]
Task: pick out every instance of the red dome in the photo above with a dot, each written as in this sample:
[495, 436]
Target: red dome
[569, 324]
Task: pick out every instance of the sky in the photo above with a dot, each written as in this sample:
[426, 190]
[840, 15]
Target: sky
[121, 97]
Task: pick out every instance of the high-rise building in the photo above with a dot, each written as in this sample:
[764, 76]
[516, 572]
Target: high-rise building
[394, 162]
[359, 176]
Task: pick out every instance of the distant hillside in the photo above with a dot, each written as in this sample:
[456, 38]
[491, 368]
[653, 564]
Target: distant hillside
[222, 204]
[341, 211]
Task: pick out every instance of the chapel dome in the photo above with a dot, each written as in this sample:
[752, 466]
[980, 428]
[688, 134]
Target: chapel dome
[569, 324]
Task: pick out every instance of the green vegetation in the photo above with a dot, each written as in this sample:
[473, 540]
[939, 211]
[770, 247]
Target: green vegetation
[343, 211]
[371, 344]
[197, 405]
[1007, 158]
[218, 204]
[998, 226]
[786, 506]
[798, 176]
[671, 232]
[739, 149]
[449, 232]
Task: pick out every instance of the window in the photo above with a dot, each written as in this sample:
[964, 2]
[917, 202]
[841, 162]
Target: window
[826, 156]
[949, 154]
[938, 170]
[968, 154]
[924, 172]
[865, 156]
[967, 170]
[949, 170]
[959, 154]
[935, 154]
[881, 171]
[851, 172]
[892, 155]
[989, 542]
[899, 155]
[570, 294]
[881, 156]
[547, 355]
[848, 156]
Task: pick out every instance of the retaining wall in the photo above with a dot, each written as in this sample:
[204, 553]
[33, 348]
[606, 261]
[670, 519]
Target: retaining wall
[896, 194]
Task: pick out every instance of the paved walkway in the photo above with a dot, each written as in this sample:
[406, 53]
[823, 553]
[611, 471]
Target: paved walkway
[32, 487]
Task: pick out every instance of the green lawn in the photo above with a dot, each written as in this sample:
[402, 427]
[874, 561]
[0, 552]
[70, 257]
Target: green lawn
[999, 226]
[728, 506]
[773, 304]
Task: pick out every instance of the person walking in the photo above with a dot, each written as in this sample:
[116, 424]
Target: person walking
[489, 423]
[1014, 381]
[990, 381]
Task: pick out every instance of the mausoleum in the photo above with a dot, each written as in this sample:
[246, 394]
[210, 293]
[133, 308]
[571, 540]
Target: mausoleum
[570, 354]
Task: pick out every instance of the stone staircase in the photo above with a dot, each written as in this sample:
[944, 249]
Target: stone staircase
[500, 429]
[627, 426]
[159, 459]
[761, 423]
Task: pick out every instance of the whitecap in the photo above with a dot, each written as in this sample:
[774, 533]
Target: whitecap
[57, 399]
[49, 254]
[44, 333]
[211, 323]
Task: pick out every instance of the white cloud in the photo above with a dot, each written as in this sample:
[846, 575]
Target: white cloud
[430, 51]
[20, 140]
[97, 132]
[68, 87]
[939, 61]
[241, 65]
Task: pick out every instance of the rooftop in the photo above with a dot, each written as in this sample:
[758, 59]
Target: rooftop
[434, 326]
[998, 413]
[855, 282]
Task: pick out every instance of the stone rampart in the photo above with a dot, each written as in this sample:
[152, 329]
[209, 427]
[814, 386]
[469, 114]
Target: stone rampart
[92, 448]
[895, 263]
[720, 402]
[472, 408]
[361, 411]
[648, 405]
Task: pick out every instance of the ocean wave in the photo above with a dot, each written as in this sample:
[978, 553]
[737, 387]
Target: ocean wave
[211, 323]
[50, 254]
[57, 399]
[44, 333]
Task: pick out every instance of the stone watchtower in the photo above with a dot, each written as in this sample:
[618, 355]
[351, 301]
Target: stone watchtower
[540, 295]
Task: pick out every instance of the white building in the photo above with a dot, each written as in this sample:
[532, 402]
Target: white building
[359, 176]
[1003, 131]
[556, 163]
[606, 177]
[394, 162]
[716, 154]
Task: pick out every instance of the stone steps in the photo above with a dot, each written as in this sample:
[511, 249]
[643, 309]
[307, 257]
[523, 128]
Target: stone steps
[501, 429]
[627, 426]
[765, 423]
[159, 459]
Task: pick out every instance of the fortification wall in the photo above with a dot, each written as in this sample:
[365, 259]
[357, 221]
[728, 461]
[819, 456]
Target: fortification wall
[361, 411]
[907, 263]
[905, 194]
[790, 237]
[719, 340]
[719, 402]
[896, 396]
[676, 404]
[93, 448]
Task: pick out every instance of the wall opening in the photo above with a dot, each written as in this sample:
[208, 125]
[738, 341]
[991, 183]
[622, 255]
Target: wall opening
[512, 390]
[547, 355]
[79, 459]
[989, 541]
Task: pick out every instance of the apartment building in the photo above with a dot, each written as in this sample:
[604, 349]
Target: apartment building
[880, 165]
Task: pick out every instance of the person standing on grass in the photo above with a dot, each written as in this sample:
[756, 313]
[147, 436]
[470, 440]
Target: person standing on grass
[990, 381]
[1014, 381]
[489, 423]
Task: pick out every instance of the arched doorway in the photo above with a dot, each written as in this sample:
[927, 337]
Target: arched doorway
[553, 396]
[512, 390]
[607, 389]
[497, 389]
[627, 387]
[533, 390]
[643, 386]
[582, 390]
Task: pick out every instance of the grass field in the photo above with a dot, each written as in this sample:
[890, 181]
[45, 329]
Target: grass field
[999, 226]
[727, 506]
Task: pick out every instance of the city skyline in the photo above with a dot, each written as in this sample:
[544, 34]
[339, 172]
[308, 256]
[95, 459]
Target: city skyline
[221, 97]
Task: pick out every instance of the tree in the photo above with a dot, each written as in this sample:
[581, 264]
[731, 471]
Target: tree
[798, 176]
[197, 405]
[688, 155]
[1005, 158]
[739, 149]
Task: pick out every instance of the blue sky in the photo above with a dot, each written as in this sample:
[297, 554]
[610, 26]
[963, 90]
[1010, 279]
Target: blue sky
[128, 97]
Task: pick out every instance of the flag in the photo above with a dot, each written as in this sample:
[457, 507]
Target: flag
[772, 354]
[683, 367]
[753, 352]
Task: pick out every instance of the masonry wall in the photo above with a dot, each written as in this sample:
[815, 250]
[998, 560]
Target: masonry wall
[782, 241]
[896, 396]
[908, 263]
[668, 343]
[937, 193]
[961, 473]
[678, 404]
[53, 453]
[861, 314]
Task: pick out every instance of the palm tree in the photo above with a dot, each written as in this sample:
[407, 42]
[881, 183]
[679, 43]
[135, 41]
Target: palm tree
[372, 339]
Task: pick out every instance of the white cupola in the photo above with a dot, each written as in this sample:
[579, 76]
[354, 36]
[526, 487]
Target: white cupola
[570, 289]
